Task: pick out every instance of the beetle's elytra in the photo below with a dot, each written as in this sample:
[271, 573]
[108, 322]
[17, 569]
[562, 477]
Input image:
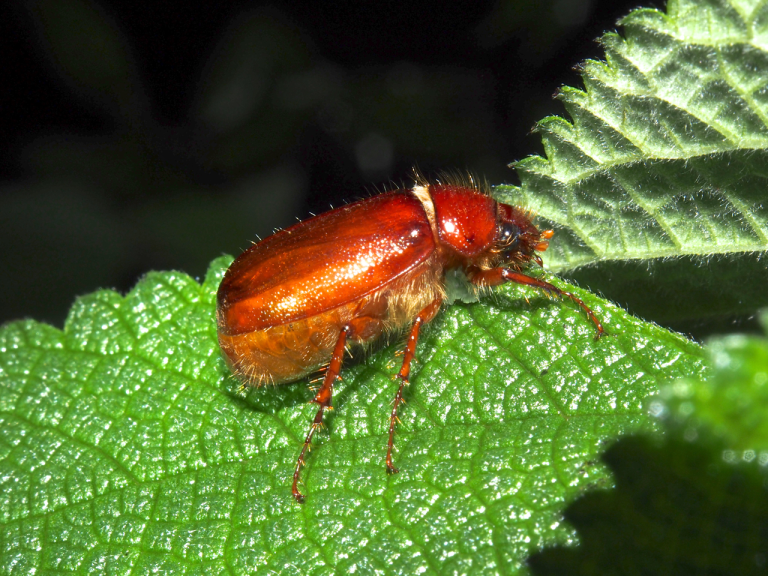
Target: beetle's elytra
[290, 304]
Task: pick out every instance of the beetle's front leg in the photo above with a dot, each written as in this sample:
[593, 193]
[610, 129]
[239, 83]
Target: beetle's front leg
[323, 399]
[496, 276]
[405, 371]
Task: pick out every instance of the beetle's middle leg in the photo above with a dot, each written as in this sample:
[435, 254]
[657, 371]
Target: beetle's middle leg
[405, 371]
[322, 399]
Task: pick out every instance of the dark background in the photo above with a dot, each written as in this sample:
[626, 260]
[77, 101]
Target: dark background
[143, 135]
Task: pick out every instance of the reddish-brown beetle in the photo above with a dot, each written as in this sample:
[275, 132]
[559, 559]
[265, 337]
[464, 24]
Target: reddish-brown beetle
[288, 305]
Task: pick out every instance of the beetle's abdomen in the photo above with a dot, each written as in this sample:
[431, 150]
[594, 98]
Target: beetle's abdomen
[291, 351]
[287, 352]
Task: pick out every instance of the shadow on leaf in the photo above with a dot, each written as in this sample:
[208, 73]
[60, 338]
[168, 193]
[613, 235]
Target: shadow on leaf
[678, 508]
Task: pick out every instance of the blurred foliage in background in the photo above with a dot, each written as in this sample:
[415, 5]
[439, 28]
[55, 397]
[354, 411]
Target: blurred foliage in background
[147, 136]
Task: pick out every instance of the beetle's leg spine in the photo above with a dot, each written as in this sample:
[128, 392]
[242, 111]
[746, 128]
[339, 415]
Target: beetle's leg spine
[405, 371]
[323, 399]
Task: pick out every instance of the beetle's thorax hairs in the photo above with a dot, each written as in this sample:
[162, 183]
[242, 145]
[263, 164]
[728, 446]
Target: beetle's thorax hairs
[423, 188]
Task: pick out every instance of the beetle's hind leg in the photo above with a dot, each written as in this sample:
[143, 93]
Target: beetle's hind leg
[405, 371]
[323, 399]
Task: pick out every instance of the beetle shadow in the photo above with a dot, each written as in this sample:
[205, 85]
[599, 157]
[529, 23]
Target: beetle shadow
[392, 345]
[359, 358]
[271, 398]
[268, 399]
[517, 304]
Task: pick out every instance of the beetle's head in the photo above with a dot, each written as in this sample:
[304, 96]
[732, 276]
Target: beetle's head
[517, 239]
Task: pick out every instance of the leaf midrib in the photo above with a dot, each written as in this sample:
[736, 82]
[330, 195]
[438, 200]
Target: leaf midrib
[605, 166]
[570, 264]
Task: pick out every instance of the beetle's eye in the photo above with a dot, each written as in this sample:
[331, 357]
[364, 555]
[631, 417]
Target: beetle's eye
[509, 234]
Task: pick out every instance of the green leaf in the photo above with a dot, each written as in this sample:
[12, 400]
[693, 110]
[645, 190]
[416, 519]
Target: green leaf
[677, 509]
[127, 447]
[694, 502]
[731, 404]
[657, 188]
